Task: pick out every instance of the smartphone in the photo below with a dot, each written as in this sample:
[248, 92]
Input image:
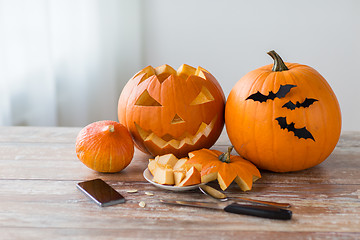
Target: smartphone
[101, 192]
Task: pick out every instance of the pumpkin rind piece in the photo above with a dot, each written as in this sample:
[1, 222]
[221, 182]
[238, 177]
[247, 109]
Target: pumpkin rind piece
[211, 168]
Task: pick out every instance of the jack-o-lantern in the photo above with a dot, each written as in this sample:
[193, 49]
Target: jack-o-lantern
[283, 117]
[168, 111]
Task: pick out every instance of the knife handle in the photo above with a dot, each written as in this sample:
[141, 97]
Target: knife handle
[259, 211]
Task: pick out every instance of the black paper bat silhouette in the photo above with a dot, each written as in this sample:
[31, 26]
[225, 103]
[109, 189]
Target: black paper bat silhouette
[283, 90]
[298, 132]
[306, 103]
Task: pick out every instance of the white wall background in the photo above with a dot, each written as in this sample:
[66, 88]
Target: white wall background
[231, 38]
[64, 62]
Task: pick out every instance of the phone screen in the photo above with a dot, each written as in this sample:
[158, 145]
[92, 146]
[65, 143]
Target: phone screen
[100, 192]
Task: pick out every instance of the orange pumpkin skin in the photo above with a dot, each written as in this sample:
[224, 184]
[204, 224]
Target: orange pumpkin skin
[211, 168]
[256, 134]
[105, 146]
[168, 111]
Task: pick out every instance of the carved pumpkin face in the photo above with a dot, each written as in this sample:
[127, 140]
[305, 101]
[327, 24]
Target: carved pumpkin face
[168, 111]
[283, 117]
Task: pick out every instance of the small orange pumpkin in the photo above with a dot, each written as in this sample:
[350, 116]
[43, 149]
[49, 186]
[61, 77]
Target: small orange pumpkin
[169, 111]
[105, 146]
[226, 168]
[283, 117]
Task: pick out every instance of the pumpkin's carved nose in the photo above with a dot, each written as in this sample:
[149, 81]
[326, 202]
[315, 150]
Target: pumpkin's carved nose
[177, 119]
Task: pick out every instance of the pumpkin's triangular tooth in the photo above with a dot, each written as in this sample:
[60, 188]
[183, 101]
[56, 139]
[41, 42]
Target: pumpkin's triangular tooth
[200, 72]
[242, 184]
[143, 133]
[164, 72]
[185, 71]
[146, 72]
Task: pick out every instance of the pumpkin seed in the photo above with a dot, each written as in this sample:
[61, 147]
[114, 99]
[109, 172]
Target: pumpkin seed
[142, 204]
[132, 191]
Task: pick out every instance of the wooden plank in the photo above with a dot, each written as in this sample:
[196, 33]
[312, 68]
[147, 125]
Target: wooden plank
[26, 203]
[38, 134]
[154, 234]
[84, 214]
[23, 161]
[39, 171]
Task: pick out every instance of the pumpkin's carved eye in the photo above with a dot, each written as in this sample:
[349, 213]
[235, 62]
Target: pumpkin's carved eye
[146, 100]
[203, 97]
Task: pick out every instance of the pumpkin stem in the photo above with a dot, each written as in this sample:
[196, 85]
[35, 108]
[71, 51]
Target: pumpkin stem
[111, 128]
[279, 64]
[225, 157]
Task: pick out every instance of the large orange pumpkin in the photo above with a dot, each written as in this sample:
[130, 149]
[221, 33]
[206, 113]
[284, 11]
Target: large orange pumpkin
[105, 146]
[168, 111]
[283, 117]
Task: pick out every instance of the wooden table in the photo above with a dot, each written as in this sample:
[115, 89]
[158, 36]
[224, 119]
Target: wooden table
[39, 200]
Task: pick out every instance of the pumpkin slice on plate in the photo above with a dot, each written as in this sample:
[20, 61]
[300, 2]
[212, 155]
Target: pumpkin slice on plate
[180, 165]
[192, 177]
[164, 175]
[168, 159]
[226, 168]
[178, 177]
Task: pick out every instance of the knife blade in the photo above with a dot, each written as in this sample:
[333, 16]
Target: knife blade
[251, 210]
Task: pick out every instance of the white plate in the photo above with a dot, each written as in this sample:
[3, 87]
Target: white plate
[147, 175]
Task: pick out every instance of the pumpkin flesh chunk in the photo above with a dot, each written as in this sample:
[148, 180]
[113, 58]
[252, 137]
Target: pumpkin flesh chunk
[168, 159]
[178, 177]
[169, 170]
[180, 164]
[164, 175]
[192, 177]
[152, 166]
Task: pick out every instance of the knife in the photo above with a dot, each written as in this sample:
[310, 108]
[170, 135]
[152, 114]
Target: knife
[252, 210]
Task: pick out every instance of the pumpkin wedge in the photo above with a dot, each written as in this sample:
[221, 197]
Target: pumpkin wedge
[192, 177]
[226, 168]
